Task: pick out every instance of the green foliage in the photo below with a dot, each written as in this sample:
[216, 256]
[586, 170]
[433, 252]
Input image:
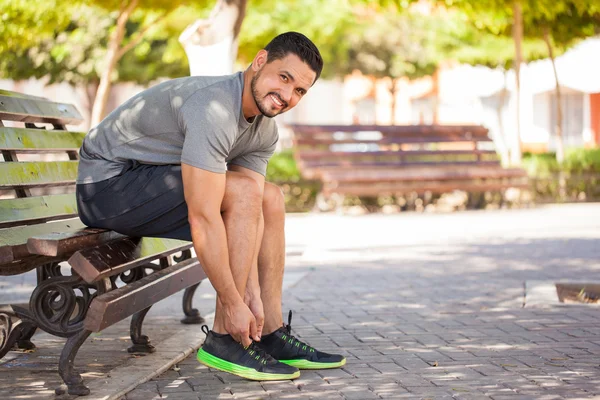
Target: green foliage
[490, 43]
[282, 167]
[582, 160]
[327, 27]
[577, 160]
[299, 194]
[25, 22]
[540, 165]
[480, 47]
[75, 53]
[395, 45]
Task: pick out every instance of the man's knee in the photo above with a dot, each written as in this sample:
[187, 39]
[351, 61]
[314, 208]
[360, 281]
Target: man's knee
[273, 200]
[242, 192]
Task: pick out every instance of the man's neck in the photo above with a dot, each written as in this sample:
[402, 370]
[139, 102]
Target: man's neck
[249, 107]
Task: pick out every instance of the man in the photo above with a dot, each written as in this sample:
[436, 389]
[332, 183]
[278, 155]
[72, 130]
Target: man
[186, 159]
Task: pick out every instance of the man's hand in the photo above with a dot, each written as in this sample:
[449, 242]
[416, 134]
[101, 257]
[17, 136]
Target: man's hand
[241, 324]
[254, 302]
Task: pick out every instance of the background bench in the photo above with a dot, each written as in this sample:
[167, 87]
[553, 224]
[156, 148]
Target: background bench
[87, 279]
[375, 160]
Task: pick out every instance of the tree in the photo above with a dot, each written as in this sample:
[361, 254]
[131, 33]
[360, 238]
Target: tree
[563, 26]
[535, 19]
[25, 22]
[75, 53]
[218, 36]
[480, 47]
[119, 43]
[394, 46]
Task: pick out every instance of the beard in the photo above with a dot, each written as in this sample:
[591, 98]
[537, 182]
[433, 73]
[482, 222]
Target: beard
[261, 100]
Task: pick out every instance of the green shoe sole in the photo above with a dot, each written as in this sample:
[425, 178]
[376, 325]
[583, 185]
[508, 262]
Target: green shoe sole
[305, 364]
[249, 373]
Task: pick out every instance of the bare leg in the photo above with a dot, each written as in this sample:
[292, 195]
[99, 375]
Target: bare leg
[241, 213]
[271, 257]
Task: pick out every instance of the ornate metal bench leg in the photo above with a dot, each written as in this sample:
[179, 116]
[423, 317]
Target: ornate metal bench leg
[14, 333]
[141, 343]
[65, 365]
[192, 315]
[24, 342]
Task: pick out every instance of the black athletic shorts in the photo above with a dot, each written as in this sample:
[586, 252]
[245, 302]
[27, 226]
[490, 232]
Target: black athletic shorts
[145, 200]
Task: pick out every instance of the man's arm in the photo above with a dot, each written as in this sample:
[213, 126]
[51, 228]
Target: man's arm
[252, 295]
[204, 192]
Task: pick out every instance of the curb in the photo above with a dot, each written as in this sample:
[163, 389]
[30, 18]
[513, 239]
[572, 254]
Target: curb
[125, 378]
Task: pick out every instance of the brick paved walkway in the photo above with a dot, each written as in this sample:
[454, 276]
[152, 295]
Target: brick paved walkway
[436, 311]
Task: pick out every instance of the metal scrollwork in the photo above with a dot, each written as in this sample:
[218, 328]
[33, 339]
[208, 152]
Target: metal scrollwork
[59, 304]
[5, 328]
[134, 274]
[185, 255]
[11, 332]
[47, 271]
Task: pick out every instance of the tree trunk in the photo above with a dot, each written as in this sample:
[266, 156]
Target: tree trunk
[518, 38]
[560, 149]
[501, 139]
[393, 92]
[89, 97]
[112, 56]
[436, 97]
[211, 44]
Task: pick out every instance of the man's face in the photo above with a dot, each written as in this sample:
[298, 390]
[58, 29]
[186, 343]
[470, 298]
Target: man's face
[278, 86]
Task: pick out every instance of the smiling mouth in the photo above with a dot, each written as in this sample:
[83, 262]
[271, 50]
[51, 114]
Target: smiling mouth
[278, 102]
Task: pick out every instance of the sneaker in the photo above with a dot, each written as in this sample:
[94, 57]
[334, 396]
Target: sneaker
[287, 349]
[222, 352]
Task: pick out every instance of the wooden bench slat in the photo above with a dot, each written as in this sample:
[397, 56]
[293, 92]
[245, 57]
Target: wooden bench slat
[36, 174]
[96, 263]
[374, 165]
[323, 154]
[418, 187]
[311, 141]
[474, 130]
[422, 174]
[120, 303]
[14, 240]
[21, 108]
[32, 210]
[25, 264]
[66, 242]
[39, 140]
[9, 93]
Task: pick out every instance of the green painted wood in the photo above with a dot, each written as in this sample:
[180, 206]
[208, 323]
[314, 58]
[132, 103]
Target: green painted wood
[31, 210]
[39, 140]
[19, 174]
[35, 109]
[14, 240]
[9, 93]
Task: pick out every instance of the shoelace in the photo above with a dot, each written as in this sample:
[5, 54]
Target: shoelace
[292, 339]
[256, 352]
[259, 354]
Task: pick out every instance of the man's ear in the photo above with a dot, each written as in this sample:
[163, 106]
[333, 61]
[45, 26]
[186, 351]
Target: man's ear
[259, 60]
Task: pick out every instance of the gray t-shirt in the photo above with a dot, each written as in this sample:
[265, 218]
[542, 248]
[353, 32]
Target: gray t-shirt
[194, 120]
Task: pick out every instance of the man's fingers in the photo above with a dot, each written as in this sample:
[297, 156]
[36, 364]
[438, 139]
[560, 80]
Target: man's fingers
[260, 323]
[245, 339]
[253, 331]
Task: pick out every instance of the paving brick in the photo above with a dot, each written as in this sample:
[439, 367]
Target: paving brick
[435, 316]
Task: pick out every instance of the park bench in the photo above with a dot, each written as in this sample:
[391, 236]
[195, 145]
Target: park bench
[87, 279]
[371, 160]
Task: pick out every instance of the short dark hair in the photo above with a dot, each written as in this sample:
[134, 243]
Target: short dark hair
[298, 44]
